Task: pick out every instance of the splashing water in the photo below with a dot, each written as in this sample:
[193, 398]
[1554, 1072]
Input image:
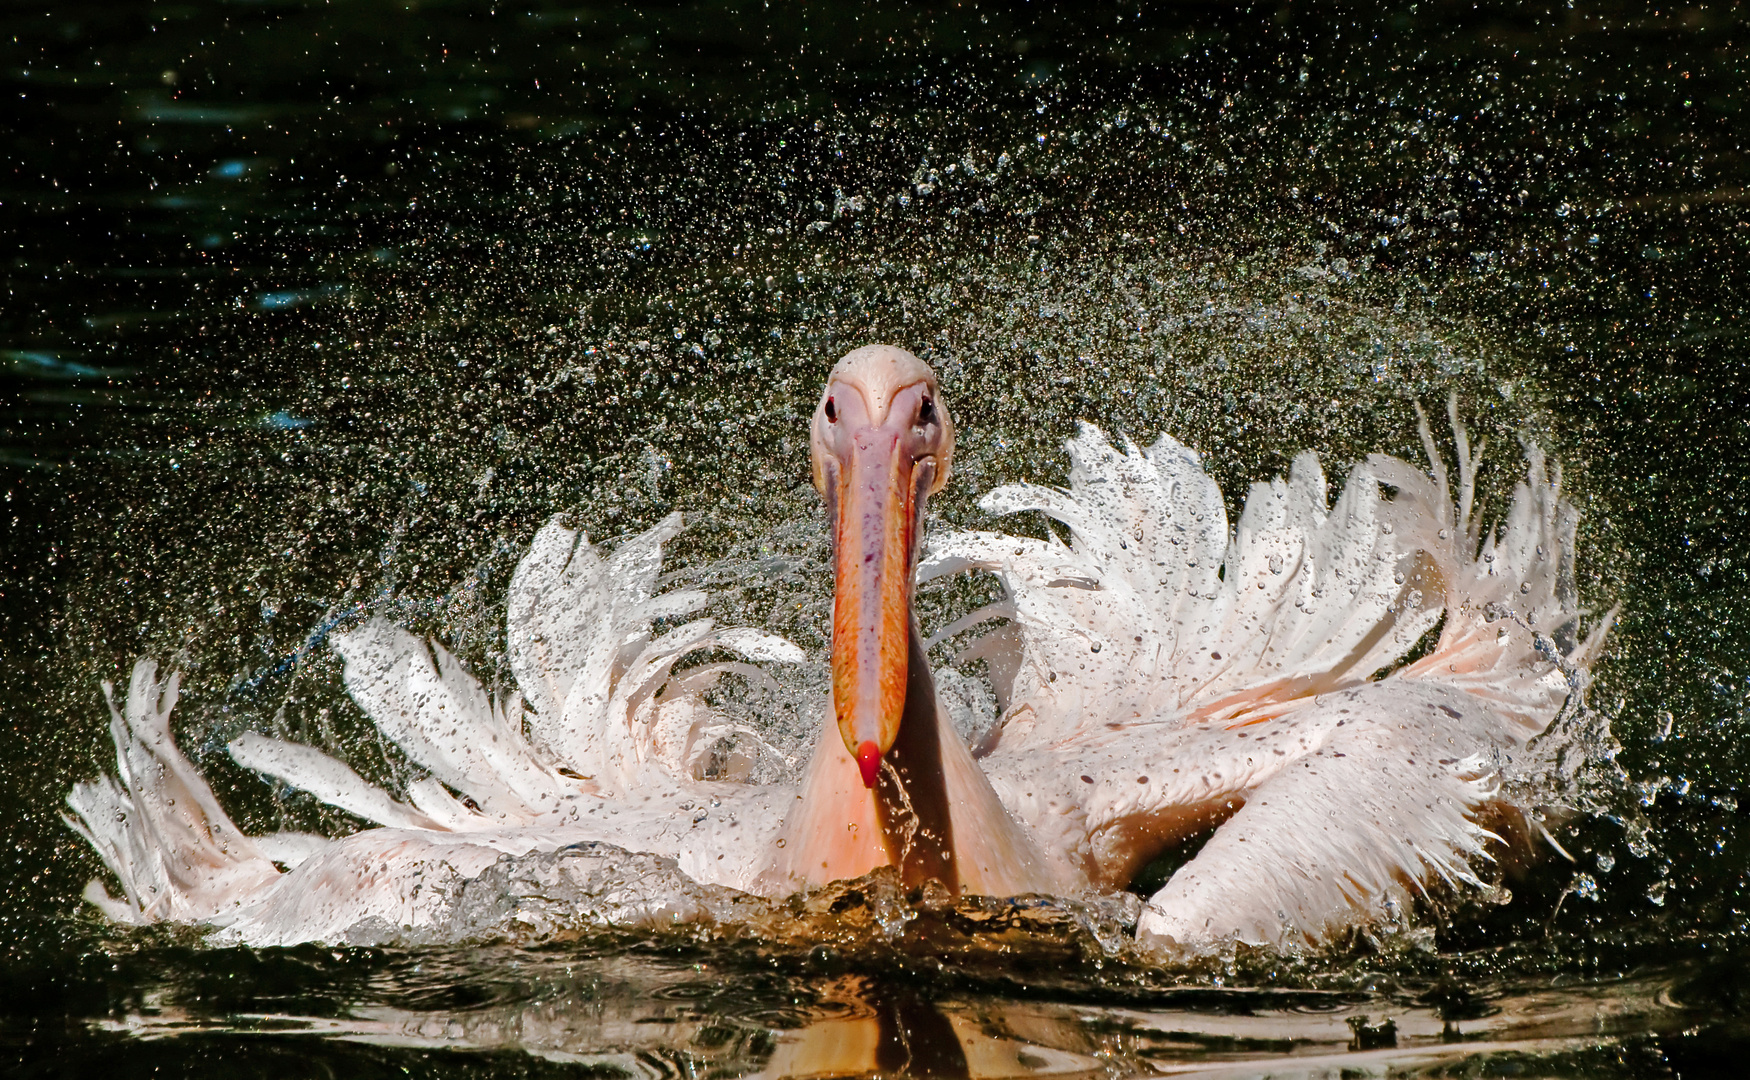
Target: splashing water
[285, 363]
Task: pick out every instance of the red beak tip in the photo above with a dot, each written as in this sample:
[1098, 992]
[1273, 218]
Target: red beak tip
[869, 761]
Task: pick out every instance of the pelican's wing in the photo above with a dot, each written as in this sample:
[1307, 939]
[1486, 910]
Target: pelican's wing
[422, 699]
[334, 782]
[1380, 806]
[605, 717]
[1335, 811]
[574, 620]
[180, 858]
[158, 827]
[579, 634]
[1512, 635]
[1152, 613]
[1347, 790]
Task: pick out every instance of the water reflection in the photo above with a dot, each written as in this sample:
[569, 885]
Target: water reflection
[649, 1018]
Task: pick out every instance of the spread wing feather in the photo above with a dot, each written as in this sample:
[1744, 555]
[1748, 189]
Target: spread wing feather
[1159, 676]
[156, 824]
[1151, 613]
[1512, 634]
[607, 721]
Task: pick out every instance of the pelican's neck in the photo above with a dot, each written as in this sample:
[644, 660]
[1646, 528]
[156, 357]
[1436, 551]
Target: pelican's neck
[911, 797]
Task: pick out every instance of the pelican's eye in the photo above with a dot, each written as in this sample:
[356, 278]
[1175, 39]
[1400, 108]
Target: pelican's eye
[832, 414]
[927, 412]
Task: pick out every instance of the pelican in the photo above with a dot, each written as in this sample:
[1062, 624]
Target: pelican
[1159, 675]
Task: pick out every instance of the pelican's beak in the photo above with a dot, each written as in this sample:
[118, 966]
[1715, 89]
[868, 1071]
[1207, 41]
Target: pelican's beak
[879, 452]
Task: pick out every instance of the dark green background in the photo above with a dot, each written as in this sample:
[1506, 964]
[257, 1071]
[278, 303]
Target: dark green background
[250, 245]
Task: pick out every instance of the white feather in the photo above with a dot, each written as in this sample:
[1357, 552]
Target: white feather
[421, 698]
[159, 829]
[1159, 676]
[634, 741]
[335, 783]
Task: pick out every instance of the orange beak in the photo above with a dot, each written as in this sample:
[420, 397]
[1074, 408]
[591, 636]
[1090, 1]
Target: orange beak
[875, 483]
[875, 533]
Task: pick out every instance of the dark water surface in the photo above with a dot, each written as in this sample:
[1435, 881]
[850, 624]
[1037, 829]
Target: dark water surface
[314, 311]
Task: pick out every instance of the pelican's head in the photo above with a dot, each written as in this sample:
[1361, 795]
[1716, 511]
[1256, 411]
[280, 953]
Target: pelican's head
[882, 440]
